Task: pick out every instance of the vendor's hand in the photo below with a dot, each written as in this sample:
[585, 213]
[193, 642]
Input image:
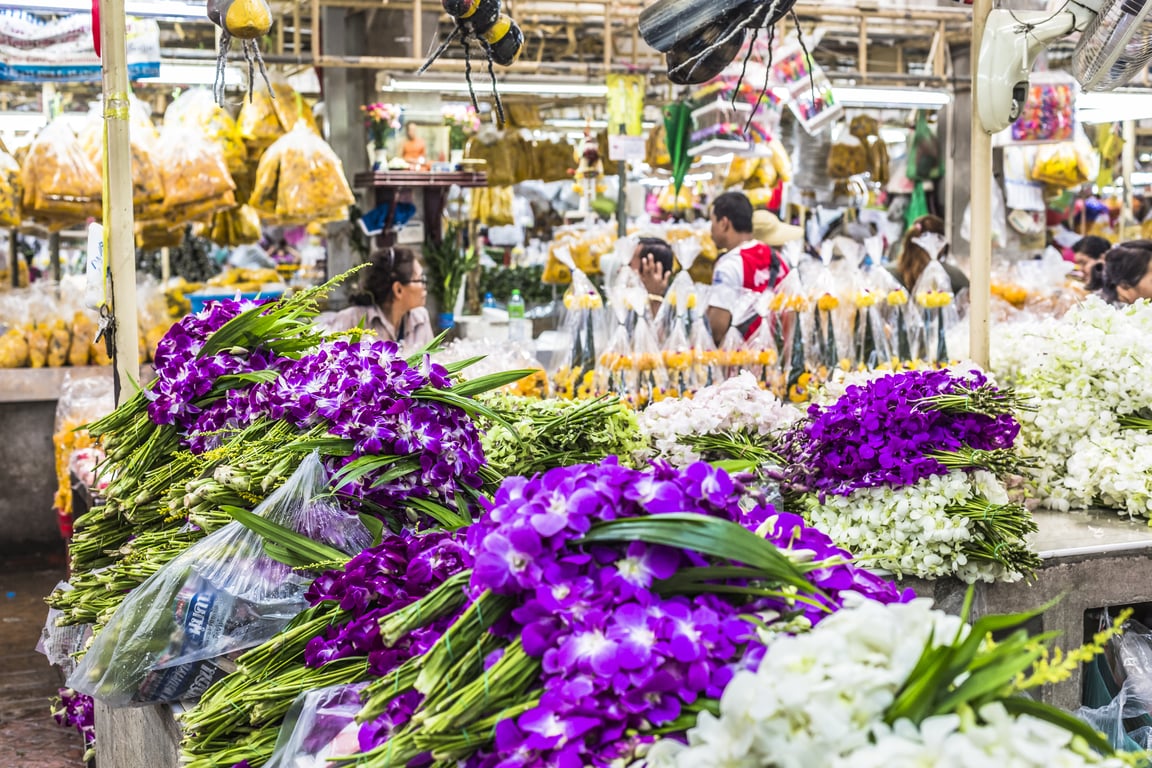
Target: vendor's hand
[653, 276]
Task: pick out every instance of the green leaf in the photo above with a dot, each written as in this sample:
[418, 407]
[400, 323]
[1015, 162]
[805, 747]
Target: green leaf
[438, 512]
[735, 466]
[706, 535]
[1022, 705]
[482, 384]
[375, 527]
[469, 406]
[399, 469]
[308, 550]
[357, 469]
[989, 680]
[460, 365]
[327, 446]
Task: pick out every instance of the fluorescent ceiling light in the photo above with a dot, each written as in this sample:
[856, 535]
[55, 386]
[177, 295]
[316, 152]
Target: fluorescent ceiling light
[193, 74]
[575, 122]
[1114, 106]
[543, 88]
[30, 122]
[893, 98]
[21, 122]
[171, 9]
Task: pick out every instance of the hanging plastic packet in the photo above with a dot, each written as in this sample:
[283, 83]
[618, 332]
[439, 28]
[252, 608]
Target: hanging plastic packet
[825, 306]
[649, 375]
[796, 336]
[582, 306]
[626, 300]
[934, 297]
[221, 596]
[762, 347]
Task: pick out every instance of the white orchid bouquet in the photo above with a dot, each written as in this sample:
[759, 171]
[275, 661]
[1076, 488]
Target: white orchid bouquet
[898, 686]
[1089, 437]
[733, 419]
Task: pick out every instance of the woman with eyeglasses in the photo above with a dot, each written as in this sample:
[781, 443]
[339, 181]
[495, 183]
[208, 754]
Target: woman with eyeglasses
[389, 302]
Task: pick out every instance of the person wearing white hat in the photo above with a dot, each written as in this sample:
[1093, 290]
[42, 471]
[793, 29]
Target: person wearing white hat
[768, 229]
[748, 267]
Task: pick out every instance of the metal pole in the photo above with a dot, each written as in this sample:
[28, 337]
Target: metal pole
[1128, 167]
[979, 313]
[119, 234]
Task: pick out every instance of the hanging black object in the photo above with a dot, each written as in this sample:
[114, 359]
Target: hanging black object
[481, 22]
[701, 37]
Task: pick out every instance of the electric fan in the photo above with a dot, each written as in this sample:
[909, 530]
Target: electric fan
[1115, 45]
[701, 37]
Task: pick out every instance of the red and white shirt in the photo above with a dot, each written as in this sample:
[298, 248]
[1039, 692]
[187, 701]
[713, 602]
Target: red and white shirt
[741, 275]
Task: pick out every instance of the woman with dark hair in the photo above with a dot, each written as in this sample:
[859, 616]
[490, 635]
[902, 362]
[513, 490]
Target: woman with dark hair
[913, 259]
[389, 302]
[1087, 252]
[652, 261]
[1124, 276]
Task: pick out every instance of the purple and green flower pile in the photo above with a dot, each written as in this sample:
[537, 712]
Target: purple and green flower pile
[73, 709]
[592, 608]
[243, 393]
[906, 472]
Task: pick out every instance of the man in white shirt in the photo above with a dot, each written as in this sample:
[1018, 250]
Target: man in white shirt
[747, 268]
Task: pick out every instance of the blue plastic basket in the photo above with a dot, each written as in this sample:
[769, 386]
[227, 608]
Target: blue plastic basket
[200, 300]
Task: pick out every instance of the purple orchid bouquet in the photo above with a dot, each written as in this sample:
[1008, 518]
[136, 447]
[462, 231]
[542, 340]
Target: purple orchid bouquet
[73, 709]
[401, 427]
[906, 470]
[591, 608]
[901, 428]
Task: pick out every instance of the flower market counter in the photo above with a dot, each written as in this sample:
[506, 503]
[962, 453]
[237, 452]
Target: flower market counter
[1090, 560]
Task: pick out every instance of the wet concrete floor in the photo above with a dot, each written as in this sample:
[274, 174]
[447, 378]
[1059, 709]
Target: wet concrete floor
[29, 737]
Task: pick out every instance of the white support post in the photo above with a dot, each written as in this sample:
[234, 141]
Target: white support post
[979, 313]
[119, 232]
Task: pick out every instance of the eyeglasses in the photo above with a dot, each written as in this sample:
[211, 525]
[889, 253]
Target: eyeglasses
[419, 280]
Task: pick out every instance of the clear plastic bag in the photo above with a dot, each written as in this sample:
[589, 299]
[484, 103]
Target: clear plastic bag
[301, 180]
[147, 181]
[266, 116]
[933, 293]
[61, 643]
[221, 596]
[648, 374]
[196, 108]
[320, 725]
[61, 186]
[196, 178]
[11, 190]
[236, 226]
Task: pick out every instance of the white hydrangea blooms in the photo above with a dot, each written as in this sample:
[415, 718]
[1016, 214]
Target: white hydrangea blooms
[1084, 373]
[818, 701]
[737, 403]
[908, 530]
[1000, 740]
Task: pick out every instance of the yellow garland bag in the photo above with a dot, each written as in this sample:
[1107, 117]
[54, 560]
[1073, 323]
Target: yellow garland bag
[300, 180]
[61, 186]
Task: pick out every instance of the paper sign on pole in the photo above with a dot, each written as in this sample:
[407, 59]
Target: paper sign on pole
[626, 148]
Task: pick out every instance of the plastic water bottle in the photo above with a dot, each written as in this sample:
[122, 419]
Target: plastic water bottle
[516, 321]
[489, 301]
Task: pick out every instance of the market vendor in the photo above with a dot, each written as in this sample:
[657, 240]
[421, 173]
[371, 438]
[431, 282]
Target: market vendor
[1125, 275]
[390, 301]
[653, 262]
[747, 268]
[914, 258]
